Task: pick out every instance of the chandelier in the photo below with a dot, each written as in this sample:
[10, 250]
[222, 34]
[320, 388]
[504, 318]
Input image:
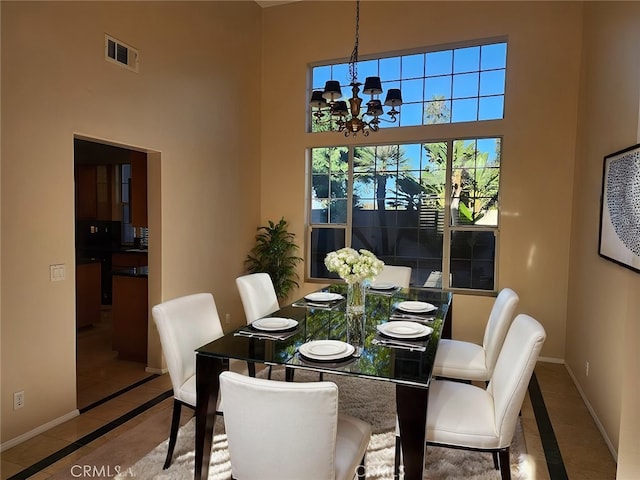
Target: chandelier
[347, 118]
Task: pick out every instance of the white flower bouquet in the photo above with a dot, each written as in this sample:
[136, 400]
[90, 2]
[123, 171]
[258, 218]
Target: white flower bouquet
[352, 266]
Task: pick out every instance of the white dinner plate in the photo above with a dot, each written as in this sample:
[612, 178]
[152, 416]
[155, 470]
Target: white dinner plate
[274, 324]
[382, 286]
[326, 350]
[323, 296]
[416, 307]
[402, 329]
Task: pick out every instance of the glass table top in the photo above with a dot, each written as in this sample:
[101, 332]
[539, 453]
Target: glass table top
[377, 361]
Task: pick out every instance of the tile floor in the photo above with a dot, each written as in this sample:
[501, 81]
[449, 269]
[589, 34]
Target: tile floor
[99, 372]
[99, 375]
[582, 448]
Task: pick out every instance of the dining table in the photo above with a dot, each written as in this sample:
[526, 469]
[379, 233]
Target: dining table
[406, 364]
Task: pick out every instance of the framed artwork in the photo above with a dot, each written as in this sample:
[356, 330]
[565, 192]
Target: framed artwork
[620, 208]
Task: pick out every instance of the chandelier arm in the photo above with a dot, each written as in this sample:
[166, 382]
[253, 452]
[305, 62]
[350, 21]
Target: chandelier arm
[392, 120]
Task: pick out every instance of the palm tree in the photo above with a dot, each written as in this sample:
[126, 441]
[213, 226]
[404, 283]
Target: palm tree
[474, 179]
[329, 180]
[377, 165]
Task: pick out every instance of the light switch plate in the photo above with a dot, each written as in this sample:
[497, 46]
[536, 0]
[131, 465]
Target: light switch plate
[57, 272]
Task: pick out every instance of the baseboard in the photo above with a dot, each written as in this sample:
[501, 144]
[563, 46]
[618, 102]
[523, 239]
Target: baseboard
[156, 371]
[593, 415]
[38, 430]
[551, 360]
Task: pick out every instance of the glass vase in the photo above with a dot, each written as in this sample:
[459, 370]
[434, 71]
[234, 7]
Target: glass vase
[356, 317]
[355, 298]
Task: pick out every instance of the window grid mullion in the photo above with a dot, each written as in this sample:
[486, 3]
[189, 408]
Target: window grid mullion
[446, 237]
[349, 228]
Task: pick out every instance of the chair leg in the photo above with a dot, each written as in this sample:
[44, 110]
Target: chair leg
[496, 465]
[396, 465]
[173, 435]
[289, 374]
[362, 470]
[505, 465]
[269, 373]
[252, 369]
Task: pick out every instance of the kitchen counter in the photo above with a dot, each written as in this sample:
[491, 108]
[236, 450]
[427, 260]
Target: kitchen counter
[131, 272]
[86, 260]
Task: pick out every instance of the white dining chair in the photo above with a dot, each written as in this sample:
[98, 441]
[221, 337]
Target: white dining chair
[464, 416]
[258, 295]
[184, 324]
[259, 299]
[290, 430]
[462, 360]
[398, 275]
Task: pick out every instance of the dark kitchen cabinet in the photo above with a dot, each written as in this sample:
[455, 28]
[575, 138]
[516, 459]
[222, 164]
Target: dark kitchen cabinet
[129, 259]
[130, 311]
[86, 192]
[94, 185]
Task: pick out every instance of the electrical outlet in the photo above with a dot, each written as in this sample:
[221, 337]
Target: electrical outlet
[227, 318]
[18, 400]
[586, 368]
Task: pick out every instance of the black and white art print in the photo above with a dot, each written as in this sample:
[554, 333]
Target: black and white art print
[620, 210]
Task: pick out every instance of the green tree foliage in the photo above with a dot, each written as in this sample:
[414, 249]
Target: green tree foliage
[408, 194]
[475, 179]
[330, 171]
[378, 165]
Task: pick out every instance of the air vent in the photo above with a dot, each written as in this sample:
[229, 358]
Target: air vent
[120, 53]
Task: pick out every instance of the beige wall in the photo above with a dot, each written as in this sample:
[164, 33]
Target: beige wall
[195, 102]
[203, 69]
[602, 310]
[539, 126]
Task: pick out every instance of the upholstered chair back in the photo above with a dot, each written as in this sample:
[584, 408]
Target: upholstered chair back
[395, 274]
[502, 313]
[258, 295]
[284, 430]
[184, 324]
[513, 372]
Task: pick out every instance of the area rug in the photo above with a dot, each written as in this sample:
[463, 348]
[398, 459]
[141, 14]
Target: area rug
[373, 402]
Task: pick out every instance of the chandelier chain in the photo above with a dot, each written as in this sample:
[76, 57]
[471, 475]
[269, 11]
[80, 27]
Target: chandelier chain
[353, 61]
[351, 116]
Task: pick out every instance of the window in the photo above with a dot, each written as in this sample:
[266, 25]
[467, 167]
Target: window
[444, 86]
[431, 206]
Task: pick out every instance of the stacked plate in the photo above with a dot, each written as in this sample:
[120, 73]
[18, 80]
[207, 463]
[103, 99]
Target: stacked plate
[274, 324]
[323, 297]
[326, 350]
[382, 286]
[404, 330]
[416, 307]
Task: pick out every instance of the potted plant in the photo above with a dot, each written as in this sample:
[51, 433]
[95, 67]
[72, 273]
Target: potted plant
[274, 253]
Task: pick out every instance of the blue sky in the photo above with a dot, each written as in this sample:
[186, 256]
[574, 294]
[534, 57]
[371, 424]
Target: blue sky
[471, 81]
